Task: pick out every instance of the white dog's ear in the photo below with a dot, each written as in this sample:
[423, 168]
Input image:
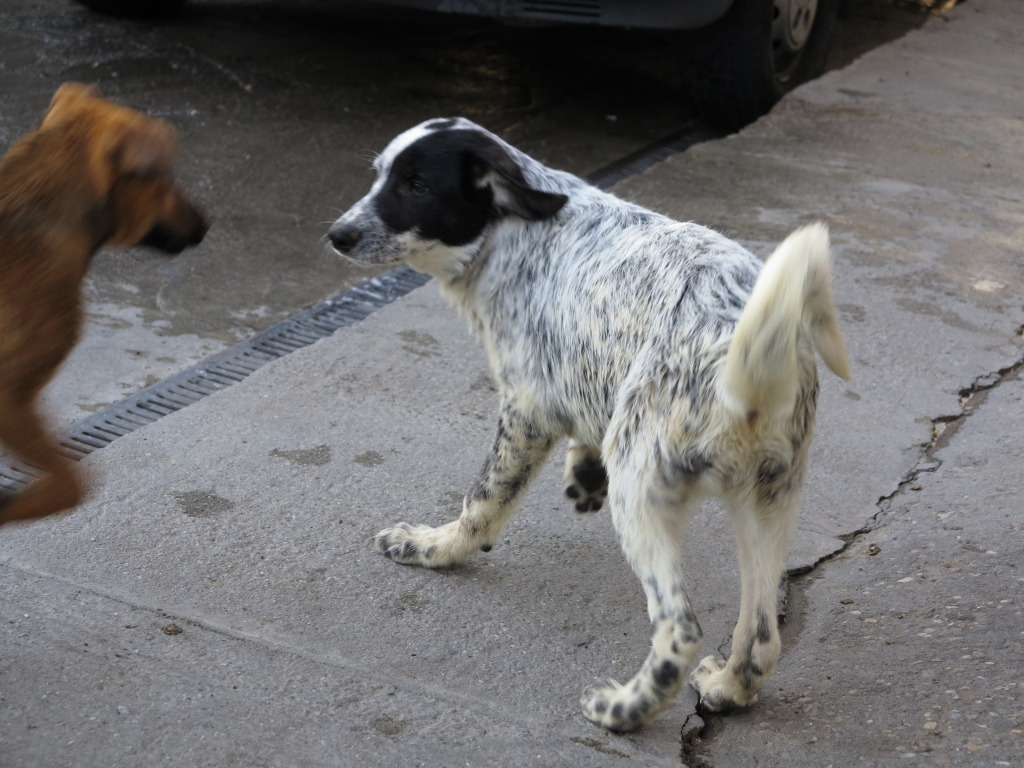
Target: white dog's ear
[492, 173]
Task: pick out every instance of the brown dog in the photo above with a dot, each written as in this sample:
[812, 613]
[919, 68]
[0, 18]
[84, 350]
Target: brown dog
[93, 174]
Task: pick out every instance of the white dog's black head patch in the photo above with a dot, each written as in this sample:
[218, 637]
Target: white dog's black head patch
[439, 185]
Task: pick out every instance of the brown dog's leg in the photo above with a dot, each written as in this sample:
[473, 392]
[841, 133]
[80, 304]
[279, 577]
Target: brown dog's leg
[60, 488]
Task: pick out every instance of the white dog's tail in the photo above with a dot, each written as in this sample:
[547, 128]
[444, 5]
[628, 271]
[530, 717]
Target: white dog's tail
[760, 375]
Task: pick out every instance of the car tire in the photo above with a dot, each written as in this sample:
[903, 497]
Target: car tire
[737, 68]
[139, 9]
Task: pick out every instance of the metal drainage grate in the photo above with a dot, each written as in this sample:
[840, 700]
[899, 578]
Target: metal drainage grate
[561, 10]
[236, 363]
[649, 156]
[224, 368]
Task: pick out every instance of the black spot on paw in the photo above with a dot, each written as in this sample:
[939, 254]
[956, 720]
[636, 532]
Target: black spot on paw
[590, 475]
[407, 551]
[667, 674]
[639, 711]
[631, 719]
[749, 673]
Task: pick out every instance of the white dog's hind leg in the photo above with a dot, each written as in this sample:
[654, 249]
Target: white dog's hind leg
[586, 481]
[649, 524]
[519, 450]
[762, 537]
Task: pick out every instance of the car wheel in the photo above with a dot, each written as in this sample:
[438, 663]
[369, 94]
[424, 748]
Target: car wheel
[737, 68]
[133, 8]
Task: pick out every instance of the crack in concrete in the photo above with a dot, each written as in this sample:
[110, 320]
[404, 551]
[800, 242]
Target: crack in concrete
[944, 429]
[695, 731]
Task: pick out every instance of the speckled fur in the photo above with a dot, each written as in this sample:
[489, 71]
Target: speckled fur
[621, 328]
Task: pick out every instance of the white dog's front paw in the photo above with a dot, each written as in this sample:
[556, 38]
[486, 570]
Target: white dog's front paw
[422, 545]
[408, 544]
[718, 687]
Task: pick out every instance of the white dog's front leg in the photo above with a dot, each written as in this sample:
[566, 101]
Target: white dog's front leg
[519, 450]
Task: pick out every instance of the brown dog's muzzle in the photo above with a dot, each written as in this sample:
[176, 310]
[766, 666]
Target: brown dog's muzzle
[181, 227]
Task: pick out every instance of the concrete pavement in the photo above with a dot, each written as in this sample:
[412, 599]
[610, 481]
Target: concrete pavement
[217, 602]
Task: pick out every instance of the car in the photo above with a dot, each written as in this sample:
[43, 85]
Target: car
[739, 56]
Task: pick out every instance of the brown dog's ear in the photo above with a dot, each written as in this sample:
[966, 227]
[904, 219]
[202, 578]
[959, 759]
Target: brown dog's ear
[68, 98]
[490, 167]
[143, 148]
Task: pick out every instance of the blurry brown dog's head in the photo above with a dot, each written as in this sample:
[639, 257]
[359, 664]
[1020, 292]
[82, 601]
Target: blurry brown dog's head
[93, 174]
[131, 158]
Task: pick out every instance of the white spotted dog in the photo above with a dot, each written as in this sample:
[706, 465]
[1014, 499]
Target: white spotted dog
[678, 365]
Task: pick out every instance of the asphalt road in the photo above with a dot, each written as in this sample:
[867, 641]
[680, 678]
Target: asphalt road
[281, 105]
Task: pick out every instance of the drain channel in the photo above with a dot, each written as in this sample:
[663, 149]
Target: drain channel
[224, 368]
[649, 156]
[236, 363]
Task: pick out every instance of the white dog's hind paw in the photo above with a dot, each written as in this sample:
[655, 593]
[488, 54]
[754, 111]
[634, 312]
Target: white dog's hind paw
[586, 481]
[719, 691]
